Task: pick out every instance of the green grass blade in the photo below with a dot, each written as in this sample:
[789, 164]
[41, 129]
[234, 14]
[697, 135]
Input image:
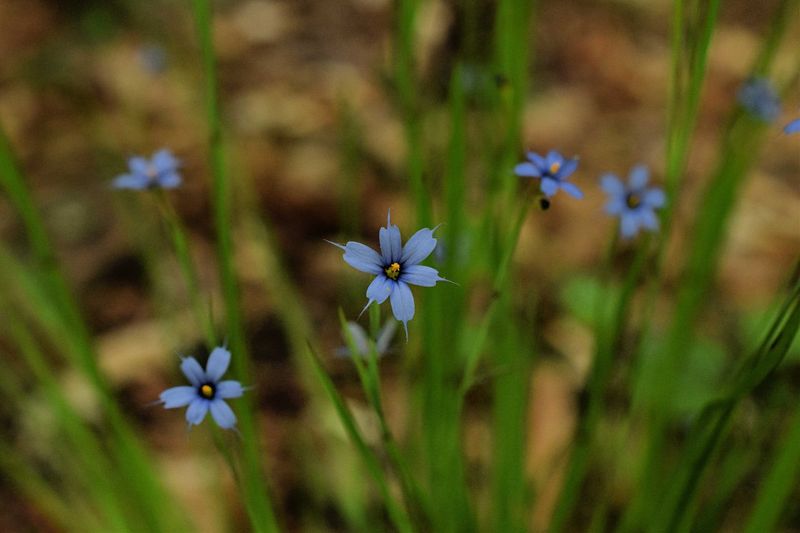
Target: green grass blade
[397, 514]
[256, 496]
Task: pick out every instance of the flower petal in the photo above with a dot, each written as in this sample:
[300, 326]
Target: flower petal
[567, 168]
[362, 257]
[380, 289]
[197, 411]
[418, 247]
[223, 414]
[403, 304]
[571, 189]
[638, 177]
[359, 337]
[615, 206]
[130, 181]
[612, 185]
[385, 336]
[163, 161]
[193, 371]
[178, 396]
[170, 180]
[553, 157]
[528, 170]
[423, 276]
[139, 165]
[654, 198]
[648, 219]
[391, 243]
[217, 363]
[628, 225]
[229, 389]
[792, 127]
[537, 160]
[549, 186]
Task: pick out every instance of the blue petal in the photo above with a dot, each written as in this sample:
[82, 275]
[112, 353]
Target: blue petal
[359, 337]
[130, 181]
[403, 304]
[648, 219]
[217, 363]
[612, 185]
[615, 206]
[193, 371]
[418, 247]
[229, 389]
[654, 198]
[420, 275]
[178, 396]
[567, 168]
[170, 180]
[792, 127]
[549, 186]
[553, 157]
[571, 189]
[163, 161]
[391, 243]
[223, 414]
[537, 160]
[139, 165]
[528, 170]
[385, 336]
[380, 289]
[362, 257]
[197, 411]
[629, 225]
[638, 177]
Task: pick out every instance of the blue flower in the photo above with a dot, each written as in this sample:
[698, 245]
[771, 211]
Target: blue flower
[161, 171]
[361, 340]
[394, 268]
[206, 392]
[633, 203]
[759, 97]
[792, 127]
[553, 170]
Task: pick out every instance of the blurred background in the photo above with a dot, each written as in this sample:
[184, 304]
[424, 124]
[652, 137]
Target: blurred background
[314, 135]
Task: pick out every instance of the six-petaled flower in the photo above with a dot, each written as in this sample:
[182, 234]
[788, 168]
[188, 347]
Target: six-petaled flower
[634, 203]
[361, 340]
[206, 392]
[553, 170]
[759, 97]
[394, 268]
[158, 172]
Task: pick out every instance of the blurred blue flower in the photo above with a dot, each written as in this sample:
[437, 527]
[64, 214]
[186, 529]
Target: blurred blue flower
[207, 392]
[153, 58]
[759, 97]
[394, 268]
[553, 170]
[361, 340]
[161, 171]
[792, 127]
[633, 203]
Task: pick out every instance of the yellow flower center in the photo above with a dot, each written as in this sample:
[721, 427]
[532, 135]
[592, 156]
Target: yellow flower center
[633, 200]
[393, 271]
[554, 167]
[207, 391]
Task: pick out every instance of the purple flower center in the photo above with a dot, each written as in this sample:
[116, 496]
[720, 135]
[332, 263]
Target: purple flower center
[392, 271]
[554, 168]
[207, 390]
[633, 200]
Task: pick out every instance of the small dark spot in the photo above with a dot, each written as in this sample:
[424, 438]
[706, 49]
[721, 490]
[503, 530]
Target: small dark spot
[544, 203]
